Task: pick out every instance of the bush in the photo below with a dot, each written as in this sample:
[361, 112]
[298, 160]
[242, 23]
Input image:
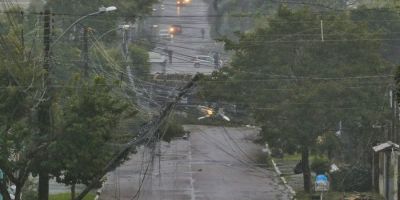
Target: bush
[320, 165]
[174, 129]
[140, 60]
[277, 153]
[29, 190]
[67, 196]
[356, 178]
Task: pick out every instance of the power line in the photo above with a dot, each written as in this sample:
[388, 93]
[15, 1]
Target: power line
[154, 126]
[238, 15]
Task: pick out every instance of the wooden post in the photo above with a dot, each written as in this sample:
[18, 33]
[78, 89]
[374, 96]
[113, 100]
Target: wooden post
[44, 108]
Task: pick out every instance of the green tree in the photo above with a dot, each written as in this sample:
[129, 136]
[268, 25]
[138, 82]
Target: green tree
[23, 84]
[91, 113]
[376, 3]
[237, 15]
[299, 86]
[21, 92]
[140, 61]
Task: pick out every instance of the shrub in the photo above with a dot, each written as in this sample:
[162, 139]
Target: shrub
[140, 59]
[277, 153]
[174, 129]
[356, 178]
[320, 165]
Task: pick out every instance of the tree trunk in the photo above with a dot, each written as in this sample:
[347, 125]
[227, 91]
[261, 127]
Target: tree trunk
[43, 190]
[3, 191]
[330, 154]
[306, 169]
[18, 191]
[72, 191]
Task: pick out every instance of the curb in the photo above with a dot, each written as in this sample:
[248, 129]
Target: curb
[278, 171]
[98, 192]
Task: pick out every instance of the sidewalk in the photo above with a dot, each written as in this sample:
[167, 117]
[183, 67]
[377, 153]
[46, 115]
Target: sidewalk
[286, 166]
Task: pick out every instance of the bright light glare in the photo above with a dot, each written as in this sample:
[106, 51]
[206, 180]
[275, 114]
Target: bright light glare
[111, 8]
[107, 9]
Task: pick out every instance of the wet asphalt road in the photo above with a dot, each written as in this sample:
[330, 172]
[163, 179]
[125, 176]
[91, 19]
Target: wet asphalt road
[212, 164]
[185, 46]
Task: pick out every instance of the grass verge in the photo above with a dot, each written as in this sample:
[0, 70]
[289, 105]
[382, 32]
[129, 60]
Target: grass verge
[331, 195]
[67, 196]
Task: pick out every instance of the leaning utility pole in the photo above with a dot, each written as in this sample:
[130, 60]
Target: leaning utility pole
[148, 132]
[44, 116]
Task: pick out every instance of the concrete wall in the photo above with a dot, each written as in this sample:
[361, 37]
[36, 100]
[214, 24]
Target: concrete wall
[388, 172]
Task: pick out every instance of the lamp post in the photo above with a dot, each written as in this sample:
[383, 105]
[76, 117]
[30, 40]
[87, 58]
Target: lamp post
[44, 108]
[100, 11]
[122, 27]
[125, 39]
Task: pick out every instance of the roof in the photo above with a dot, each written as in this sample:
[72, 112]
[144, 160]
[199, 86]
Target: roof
[389, 145]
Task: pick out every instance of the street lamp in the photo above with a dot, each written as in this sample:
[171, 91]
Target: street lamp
[107, 9]
[100, 11]
[122, 27]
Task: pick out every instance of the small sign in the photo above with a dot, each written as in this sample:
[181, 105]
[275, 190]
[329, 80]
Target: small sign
[321, 183]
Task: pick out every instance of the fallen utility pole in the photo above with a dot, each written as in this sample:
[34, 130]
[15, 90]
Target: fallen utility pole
[152, 128]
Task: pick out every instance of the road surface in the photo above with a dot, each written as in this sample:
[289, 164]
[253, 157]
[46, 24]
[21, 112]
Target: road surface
[4, 5]
[192, 18]
[214, 163]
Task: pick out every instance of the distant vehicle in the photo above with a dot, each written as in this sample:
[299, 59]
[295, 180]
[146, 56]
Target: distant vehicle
[204, 60]
[164, 34]
[175, 29]
[182, 2]
[157, 58]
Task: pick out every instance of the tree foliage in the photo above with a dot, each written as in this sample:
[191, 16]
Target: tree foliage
[140, 61]
[174, 129]
[85, 114]
[242, 16]
[299, 86]
[90, 115]
[21, 93]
